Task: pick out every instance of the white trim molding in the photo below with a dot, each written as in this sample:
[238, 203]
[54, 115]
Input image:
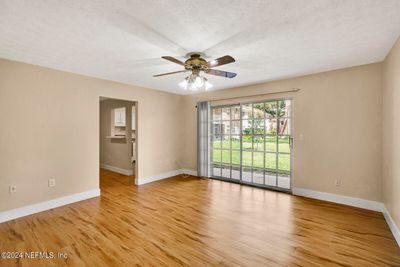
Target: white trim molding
[350, 201]
[189, 172]
[157, 177]
[164, 175]
[355, 202]
[46, 205]
[392, 225]
[116, 169]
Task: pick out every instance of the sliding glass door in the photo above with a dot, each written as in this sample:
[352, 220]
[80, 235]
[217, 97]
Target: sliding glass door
[225, 139]
[252, 143]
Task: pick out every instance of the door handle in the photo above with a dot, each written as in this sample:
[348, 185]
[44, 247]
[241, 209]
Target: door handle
[291, 142]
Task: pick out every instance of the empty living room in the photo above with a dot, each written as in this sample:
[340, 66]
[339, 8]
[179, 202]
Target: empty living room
[200, 133]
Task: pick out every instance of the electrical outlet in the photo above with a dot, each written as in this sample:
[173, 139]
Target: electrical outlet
[12, 189]
[338, 182]
[52, 182]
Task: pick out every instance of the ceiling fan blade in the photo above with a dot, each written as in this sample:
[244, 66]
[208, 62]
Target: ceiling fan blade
[172, 59]
[221, 73]
[220, 61]
[168, 73]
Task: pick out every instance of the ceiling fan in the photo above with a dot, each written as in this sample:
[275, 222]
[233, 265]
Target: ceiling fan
[196, 64]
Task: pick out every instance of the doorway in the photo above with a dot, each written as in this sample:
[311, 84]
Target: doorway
[118, 136]
[251, 143]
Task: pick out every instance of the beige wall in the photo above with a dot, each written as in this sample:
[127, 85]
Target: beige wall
[50, 129]
[337, 112]
[115, 152]
[339, 115]
[391, 132]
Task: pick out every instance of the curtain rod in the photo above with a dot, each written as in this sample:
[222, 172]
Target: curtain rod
[271, 93]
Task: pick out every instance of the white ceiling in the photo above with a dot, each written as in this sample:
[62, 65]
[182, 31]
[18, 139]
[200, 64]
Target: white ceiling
[124, 40]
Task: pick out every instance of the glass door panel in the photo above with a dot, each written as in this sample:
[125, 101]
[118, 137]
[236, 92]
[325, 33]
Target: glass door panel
[225, 142]
[284, 140]
[252, 143]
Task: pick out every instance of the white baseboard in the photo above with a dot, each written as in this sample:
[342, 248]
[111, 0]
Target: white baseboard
[392, 225]
[350, 201]
[116, 169]
[46, 205]
[355, 202]
[157, 177]
[164, 175]
[190, 172]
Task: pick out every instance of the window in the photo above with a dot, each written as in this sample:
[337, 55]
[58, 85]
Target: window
[120, 117]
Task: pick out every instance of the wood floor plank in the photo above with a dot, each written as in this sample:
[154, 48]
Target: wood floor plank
[188, 221]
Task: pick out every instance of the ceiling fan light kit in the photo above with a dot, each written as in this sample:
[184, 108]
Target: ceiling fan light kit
[195, 82]
[196, 64]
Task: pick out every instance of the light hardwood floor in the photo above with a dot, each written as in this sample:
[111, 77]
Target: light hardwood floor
[198, 222]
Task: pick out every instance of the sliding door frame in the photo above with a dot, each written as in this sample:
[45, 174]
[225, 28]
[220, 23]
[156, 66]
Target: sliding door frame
[291, 146]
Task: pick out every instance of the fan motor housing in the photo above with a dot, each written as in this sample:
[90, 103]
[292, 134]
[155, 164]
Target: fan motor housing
[196, 62]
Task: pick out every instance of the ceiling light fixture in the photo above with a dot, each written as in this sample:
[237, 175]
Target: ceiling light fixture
[196, 64]
[195, 82]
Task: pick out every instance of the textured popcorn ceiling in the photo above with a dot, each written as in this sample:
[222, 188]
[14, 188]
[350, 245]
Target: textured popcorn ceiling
[124, 40]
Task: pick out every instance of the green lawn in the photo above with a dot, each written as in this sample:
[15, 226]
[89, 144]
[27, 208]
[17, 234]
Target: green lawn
[255, 144]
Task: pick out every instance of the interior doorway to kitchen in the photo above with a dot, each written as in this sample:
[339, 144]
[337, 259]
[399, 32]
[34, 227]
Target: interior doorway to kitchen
[118, 142]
